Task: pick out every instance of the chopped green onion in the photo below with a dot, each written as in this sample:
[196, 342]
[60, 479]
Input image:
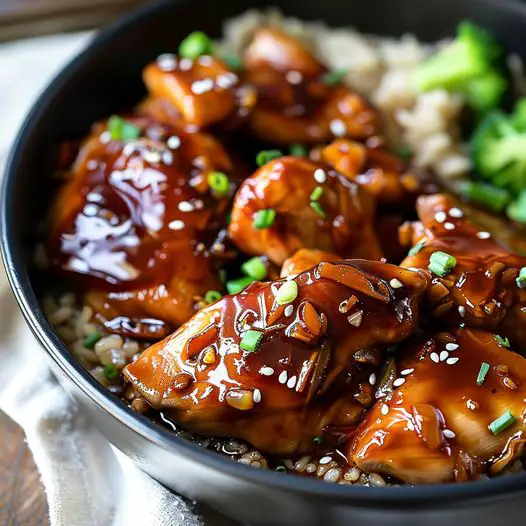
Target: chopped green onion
[521, 280]
[121, 130]
[417, 248]
[484, 368]
[195, 45]
[317, 440]
[517, 209]
[503, 422]
[212, 295]
[91, 340]
[231, 60]
[334, 77]
[298, 150]
[254, 268]
[237, 285]
[318, 208]
[219, 183]
[110, 371]
[490, 196]
[265, 156]
[281, 469]
[251, 340]
[264, 218]
[316, 193]
[441, 263]
[287, 293]
[503, 342]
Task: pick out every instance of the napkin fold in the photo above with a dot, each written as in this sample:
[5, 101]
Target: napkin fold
[87, 481]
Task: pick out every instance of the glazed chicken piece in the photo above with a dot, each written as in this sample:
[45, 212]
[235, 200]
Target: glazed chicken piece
[296, 102]
[459, 410]
[313, 208]
[482, 289]
[304, 259]
[132, 221]
[285, 361]
[196, 93]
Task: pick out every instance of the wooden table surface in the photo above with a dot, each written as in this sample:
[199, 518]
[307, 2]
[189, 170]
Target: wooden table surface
[22, 499]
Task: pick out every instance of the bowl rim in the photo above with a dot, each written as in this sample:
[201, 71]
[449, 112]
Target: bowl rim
[415, 496]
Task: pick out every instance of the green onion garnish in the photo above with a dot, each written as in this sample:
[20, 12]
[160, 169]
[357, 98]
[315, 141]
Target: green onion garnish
[219, 183]
[503, 342]
[334, 77]
[503, 422]
[237, 285]
[484, 368]
[441, 263]
[490, 196]
[318, 208]
[251, 340]
[316, 193]
[254, 268]
[212, 295]
[298, 150]
[287, 293]
[231, 60]
[281, 469]
[417, 248]
[195, 45]
[110, 371]
[521, 280]
[264, 218]
[121, 130]
[317, 440]
[265, 156]
[91, 340]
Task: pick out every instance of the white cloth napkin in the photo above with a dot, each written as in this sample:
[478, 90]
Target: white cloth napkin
[87, 481]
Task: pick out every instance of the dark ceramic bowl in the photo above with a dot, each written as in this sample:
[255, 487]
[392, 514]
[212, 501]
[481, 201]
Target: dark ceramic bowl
[106, 78]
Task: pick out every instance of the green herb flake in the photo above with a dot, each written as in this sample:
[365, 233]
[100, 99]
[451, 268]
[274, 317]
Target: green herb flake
[251, 340]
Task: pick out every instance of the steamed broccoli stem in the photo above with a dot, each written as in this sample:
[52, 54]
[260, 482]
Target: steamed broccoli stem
[484, 93]
[517, 209]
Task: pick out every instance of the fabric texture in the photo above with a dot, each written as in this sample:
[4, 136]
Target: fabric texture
[87, 481]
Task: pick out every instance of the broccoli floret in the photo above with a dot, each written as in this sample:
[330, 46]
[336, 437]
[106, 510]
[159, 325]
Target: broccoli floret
[517, 209]
[498, 149]
[484, 93]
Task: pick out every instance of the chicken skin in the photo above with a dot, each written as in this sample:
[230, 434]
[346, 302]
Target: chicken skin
[304, 259]
[458, 410]
[132, 222]
[313, 208]
[482, 289]
[283, 362]
[297, 99]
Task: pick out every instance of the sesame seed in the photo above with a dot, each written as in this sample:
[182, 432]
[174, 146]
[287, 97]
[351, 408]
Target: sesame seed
[205, 60]
[455, 212]
[167, 62]
[483, 235]
[385, 409]
[167, 158]
[202, 86]
[173, 142]
[398, 382]
[227, 80]
[256, 396]
[325, 460]
[462, 310]
[449, 434]
[452, 361]
[105, 137]
[444, 355]
[176, 225]
[266, 371]
[283, 377]
[405, 372]
[338, 128]
[91, 209]
[471, 405]
[152, 157]
[372, 379]
[396, 283]
[320, 176]
[434, 357]
[449, 226]
[291, 383]
[289, 309]
[451, 346]
[440, 216]
[294, 77]
[355, 319]
[185, 64]
[186, 206]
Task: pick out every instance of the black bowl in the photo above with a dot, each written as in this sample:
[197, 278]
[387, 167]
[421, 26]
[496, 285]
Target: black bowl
[106, 78]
